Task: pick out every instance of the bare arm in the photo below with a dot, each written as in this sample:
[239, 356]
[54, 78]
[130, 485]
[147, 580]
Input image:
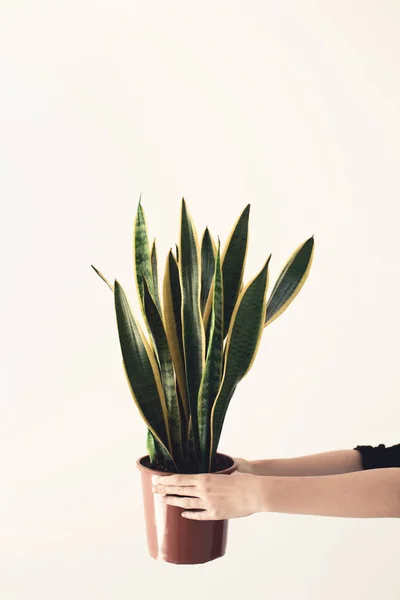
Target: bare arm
[324, 463]
[371, 493]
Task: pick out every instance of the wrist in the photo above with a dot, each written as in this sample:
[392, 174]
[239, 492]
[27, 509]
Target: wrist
[259, 467]
[265, 467]
[264, 486]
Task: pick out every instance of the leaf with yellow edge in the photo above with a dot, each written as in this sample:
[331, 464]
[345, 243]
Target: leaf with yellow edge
[233, 264]
[156, 449]
[158, 453]
[141, 254]
[172, 295]
[141, 370]
[290, 281]
[167, 373]
[193, 335]
[242, 344]
[103, 278]
[154, 271]
[207, 266]
[213, 368]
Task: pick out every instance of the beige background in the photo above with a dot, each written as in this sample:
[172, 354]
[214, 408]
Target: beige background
[291, 106]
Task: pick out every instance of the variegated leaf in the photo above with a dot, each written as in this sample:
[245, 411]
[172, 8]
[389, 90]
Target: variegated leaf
[233, 264]
[193, 334]
[290, 281]
[103, 278]
[142, 371]
[167, 373]
[154, 271]
[242, 344]
[142, 257]
[207, 267]
[172, 295]
[213, 368]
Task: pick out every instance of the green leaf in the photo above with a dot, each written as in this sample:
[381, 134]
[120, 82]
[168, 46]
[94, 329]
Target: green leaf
[103, 278]
[142, 258]
[183, 421]
[207, 267]
[213, 369]
[143, 264]
[177, 253]
[212, 458]
[167, 373]
[233, 264]
[172, 295]
[154, 447]
[290, 281]
[242, 344]
[192, 323]
[151, 447]
[154, 271]
[193, 461]
[156, 453]
[142, 371]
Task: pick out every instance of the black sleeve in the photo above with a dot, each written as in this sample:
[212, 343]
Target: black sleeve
[378, 457]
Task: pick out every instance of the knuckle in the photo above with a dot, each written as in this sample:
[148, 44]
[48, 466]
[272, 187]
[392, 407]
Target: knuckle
[186, 502]
[181, 490]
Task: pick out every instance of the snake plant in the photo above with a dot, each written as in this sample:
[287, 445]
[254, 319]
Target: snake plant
[202, 338]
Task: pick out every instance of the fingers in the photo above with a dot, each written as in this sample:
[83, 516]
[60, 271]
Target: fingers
[202, 515]
[180, 479]
[176, 489]
[184, 502]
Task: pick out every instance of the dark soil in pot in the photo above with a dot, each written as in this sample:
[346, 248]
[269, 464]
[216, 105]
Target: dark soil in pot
[222, 462]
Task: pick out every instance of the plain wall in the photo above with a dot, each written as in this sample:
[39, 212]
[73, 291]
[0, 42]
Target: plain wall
[290, 106]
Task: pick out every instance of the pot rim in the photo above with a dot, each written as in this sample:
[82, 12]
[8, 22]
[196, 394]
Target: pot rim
[228, 470]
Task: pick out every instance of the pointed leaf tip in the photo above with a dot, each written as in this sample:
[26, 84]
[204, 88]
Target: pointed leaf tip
[246, 211]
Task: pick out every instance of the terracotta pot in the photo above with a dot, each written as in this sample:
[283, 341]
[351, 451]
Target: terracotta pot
[173, 538]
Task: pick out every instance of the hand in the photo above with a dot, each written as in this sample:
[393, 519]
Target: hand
[215, 496]
[244, 465]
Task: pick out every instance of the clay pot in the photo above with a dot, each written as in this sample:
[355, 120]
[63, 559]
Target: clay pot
[173, 538]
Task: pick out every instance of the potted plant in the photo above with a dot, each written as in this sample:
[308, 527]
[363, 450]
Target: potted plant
[201, 341]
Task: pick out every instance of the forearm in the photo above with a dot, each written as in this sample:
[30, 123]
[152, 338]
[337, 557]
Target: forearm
[324, 463]
[373, 493]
